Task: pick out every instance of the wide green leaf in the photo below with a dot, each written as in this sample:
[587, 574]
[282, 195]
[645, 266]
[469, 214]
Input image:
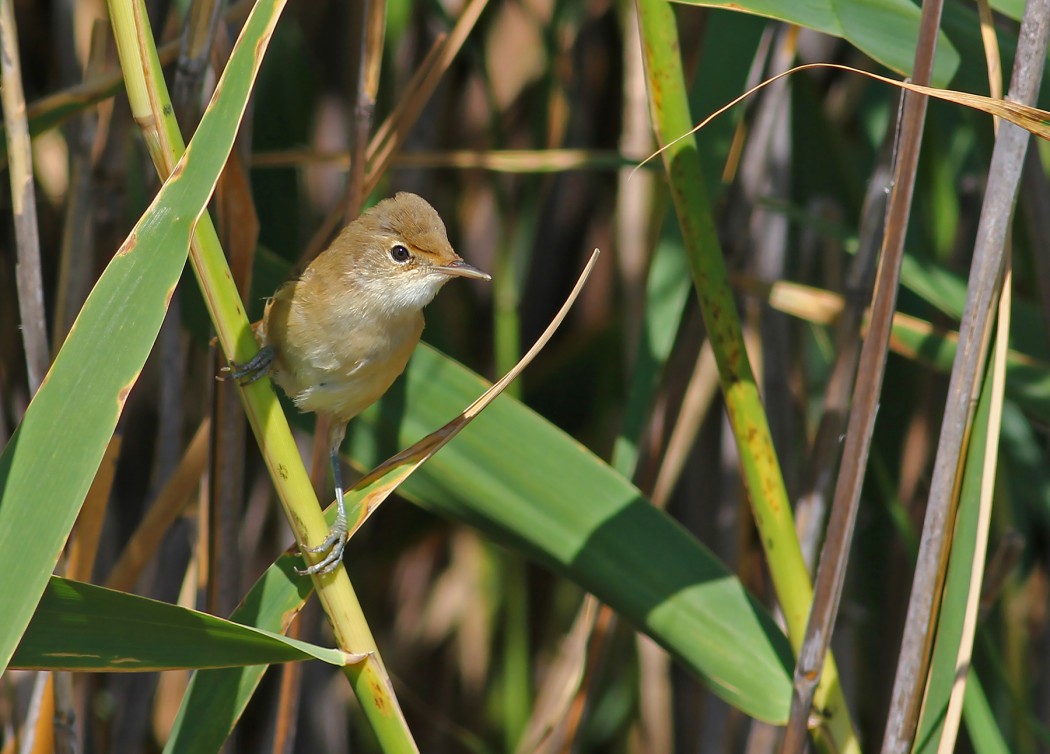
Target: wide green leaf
[88, 628]
[527, 484]
[884, 30]
[215, 699]
[47, 466]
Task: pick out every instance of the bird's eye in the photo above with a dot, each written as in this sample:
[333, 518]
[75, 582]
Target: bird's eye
[400, 254]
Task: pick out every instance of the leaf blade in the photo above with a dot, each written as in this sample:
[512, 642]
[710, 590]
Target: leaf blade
[87, 628]
[47, 466]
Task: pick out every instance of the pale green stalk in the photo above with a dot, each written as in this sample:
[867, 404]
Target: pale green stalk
[152, 110]
[760, 467]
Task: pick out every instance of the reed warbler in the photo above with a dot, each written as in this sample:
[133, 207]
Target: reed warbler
[337, 337]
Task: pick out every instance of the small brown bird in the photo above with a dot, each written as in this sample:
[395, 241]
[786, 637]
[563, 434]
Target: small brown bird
[337, 337]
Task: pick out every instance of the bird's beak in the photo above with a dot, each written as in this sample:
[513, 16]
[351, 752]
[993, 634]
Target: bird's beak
[459, 268]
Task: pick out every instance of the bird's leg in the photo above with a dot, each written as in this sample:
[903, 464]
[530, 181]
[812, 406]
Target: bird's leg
[248, 373]
[335, 542]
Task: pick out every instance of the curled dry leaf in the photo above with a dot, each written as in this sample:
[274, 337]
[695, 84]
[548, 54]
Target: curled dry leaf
[1032, 119]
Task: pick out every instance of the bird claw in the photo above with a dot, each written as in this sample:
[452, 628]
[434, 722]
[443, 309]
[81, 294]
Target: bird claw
[248, 373]
[332, 547]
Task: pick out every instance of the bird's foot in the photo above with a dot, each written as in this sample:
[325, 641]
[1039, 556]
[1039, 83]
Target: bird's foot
[248, 373]
[332, 547]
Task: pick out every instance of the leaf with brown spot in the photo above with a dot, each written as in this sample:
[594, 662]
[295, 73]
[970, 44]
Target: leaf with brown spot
[1032, 119]
[49, 463]
[84, 627]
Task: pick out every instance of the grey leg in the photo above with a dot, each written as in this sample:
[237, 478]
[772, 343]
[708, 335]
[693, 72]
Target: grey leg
[335, 543]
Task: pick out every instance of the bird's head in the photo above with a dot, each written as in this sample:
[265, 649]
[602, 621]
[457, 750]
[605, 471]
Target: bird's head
[400, 253]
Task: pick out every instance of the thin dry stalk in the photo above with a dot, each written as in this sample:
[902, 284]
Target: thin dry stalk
[562, 683]
[393, 133]
[28, 275]
[995, 382]
[238, 221]
[754, 79]
[986, 278]
[567, 689]
[37, 731]
[812, 504]
[497, 160]
[198, 36]
[64, 717]
[225, 498]
[84, 544]
[238, 228]
[202, 43]
[369, 42]
[289, 696]
[992, 59]
[389, 126]
[964, 657]
[656, 703]
[76, 261]
[832, 570]
[386, 131]
[699, 396]
[380, 156]
[570, 727]
[634, 199]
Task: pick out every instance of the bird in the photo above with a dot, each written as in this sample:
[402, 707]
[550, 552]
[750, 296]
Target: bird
[336, 337]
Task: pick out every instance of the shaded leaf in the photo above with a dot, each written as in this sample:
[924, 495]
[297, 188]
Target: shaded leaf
[84, 627]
